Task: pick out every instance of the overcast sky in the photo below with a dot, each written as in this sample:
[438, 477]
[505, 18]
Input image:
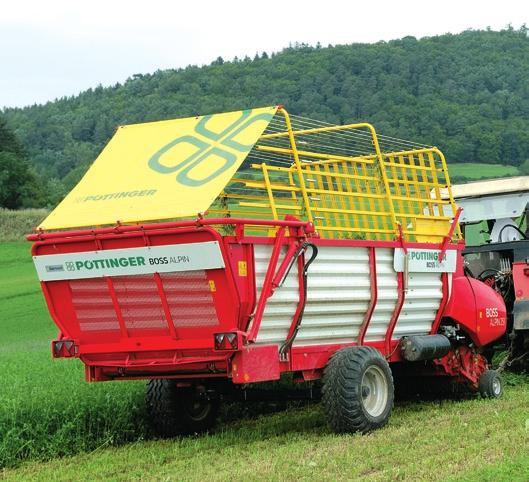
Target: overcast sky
[52, 48]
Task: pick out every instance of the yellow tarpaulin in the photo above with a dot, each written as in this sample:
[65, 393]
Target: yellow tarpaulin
[161, 170]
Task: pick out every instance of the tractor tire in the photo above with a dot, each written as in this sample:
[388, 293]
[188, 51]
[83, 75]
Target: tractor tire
[358, 390]
[490, 384]
[179, 411]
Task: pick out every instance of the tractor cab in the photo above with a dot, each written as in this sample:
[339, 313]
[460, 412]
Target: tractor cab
[494, 222]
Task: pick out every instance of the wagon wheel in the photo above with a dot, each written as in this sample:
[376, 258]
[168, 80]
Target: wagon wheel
[490, 384]
[358, 390]
[178, 411]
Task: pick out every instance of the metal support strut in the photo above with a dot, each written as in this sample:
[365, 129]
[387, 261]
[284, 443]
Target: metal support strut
[298, 315]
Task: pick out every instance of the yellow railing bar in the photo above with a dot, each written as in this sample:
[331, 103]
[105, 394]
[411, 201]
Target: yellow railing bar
[429, 201]
[342, 199]
[297, 162]
[307, 167]
[418, 168]
[424, 175]
[269, 191]
[353, 194]
[325, 157]
[384, 176]
[344, 192]
[287, 207]
[275, 187]
[323, 193]
[448, 188]
[248, 197]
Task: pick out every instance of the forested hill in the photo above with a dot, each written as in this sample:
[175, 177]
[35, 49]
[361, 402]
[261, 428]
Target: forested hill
[467, 94]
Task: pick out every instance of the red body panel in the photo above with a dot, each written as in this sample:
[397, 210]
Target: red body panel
[479, 309]
[163, 324]
[256, 363]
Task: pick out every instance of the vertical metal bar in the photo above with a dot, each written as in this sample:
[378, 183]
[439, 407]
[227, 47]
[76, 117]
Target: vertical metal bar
[343, 199]
[360, 200]
[375, 220]
[301, 300]
[382, 166]
[396, 312]
[117, 308]
[269, 190]
[382, 208]
[330, 183]
[435, 180]
[448, 188]
[316, 171]
[424, 176]
[165, 305]
[297, 163]
[267, 285]
[357, 202]
[396, 185]
[293, 184]
[374, 296]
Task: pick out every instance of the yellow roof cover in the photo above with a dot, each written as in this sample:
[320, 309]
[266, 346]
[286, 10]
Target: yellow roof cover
[161, 170]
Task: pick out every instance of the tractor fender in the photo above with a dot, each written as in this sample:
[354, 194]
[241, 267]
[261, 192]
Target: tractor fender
[479, 310]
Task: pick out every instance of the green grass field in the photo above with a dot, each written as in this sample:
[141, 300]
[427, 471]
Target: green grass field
[473, 171]
[54, 426]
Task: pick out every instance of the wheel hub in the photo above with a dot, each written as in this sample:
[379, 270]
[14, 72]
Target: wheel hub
[374, 389]
[496, 387]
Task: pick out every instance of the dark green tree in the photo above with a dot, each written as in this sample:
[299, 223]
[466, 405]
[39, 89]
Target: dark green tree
[18, 184]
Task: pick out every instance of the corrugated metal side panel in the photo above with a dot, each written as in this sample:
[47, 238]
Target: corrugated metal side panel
[424, 295]
[337, 299]
[387, 295]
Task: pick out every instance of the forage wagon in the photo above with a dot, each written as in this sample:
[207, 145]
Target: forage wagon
[208, 253]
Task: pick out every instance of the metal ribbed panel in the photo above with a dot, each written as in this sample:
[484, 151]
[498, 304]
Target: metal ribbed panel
[139, 302]
[93, 305]
[424, 295]
[337, 299]
[189, 298]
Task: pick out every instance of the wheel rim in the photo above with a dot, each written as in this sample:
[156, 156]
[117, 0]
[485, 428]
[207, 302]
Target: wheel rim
[374, 390]
[198, 409]
[496, 386]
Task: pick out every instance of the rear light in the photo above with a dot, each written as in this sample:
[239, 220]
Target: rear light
[230, 341]
[64, 349]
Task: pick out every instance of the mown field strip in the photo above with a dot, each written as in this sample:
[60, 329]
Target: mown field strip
[54, 426]
[424, 441]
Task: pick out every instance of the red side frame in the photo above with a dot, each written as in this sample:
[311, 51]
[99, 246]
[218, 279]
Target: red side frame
[191, 353]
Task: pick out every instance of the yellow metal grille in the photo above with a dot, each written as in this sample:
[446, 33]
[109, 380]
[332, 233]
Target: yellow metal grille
[345, 179]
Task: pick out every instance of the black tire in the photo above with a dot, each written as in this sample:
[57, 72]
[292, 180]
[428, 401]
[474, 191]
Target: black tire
[358, 390]
[490, 384]
[179, 411]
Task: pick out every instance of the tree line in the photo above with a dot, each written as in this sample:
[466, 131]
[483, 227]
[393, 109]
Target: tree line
[467, 94]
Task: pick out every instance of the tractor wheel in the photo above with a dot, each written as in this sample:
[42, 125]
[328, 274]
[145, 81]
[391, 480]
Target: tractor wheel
[179, 411]
[490, 384]
[357, 390]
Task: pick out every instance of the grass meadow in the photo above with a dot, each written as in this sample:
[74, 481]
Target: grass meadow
[54, 426]
[468, 171]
